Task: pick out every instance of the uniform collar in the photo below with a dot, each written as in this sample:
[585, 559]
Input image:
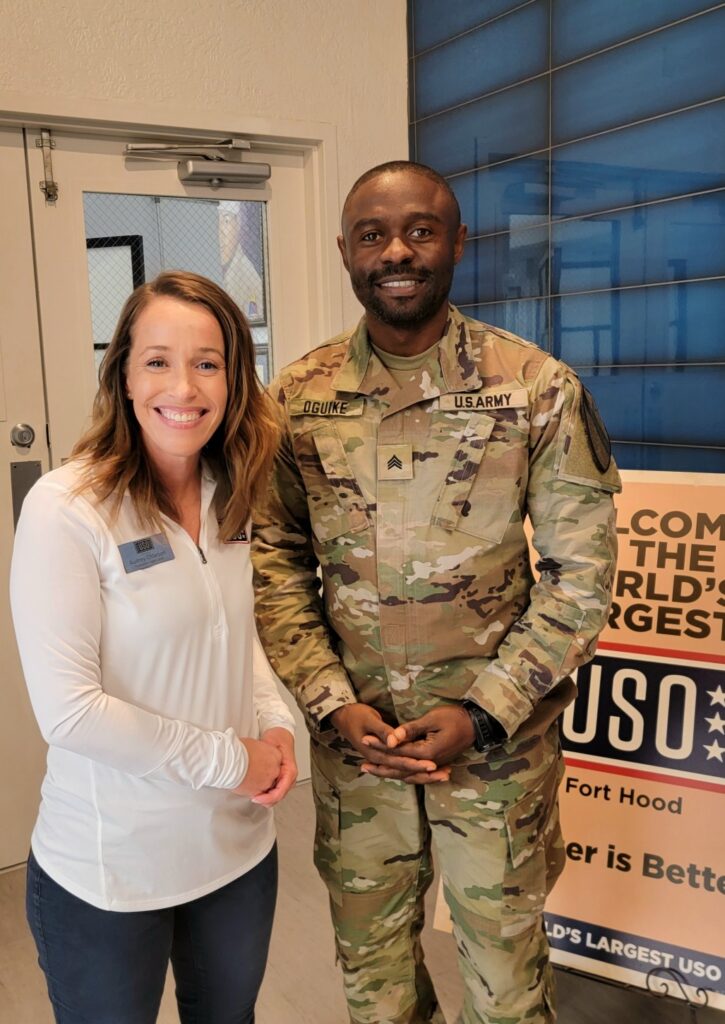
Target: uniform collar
[208, 489]
[363, 373]
[353, 372]
[458, 363]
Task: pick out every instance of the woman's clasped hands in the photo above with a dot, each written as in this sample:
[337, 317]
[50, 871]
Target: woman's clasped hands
[271, 767]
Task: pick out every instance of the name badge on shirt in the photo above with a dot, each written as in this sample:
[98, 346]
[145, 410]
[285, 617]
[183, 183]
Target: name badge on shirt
[326, 407]
[145, 552]
[481, 401]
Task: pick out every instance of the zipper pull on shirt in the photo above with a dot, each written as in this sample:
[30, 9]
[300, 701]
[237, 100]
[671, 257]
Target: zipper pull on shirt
[201, 554]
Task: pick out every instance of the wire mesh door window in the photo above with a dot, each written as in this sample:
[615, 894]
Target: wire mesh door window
[132, 238]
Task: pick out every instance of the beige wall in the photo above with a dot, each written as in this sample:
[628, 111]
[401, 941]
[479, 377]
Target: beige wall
[340, 62]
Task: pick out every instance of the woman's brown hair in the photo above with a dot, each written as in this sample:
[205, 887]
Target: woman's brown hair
[239, 453]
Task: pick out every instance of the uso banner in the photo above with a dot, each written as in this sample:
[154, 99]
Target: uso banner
[642, 899]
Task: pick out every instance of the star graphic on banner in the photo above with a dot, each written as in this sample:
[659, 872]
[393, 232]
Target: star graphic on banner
[717, 696]
[714, 750]
[716, 723]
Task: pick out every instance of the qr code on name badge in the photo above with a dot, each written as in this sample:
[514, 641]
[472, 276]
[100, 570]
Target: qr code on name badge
[145, 544]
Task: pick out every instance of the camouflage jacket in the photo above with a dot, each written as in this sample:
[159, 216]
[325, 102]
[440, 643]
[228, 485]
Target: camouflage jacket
[411, 501]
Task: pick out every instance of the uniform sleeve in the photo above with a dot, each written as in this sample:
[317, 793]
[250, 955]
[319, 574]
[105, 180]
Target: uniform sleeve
[55, 591]
[290, 615]
[570, 506]
[270, 708]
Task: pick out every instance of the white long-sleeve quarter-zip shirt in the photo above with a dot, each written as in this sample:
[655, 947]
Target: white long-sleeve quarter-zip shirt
[142, 682]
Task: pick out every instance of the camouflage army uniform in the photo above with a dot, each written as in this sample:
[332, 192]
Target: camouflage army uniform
[411, 500]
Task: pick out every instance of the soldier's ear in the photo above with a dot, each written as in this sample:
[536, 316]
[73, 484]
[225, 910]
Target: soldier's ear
[343, 251]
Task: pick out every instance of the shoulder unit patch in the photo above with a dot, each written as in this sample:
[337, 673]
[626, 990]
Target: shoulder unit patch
[597, 437]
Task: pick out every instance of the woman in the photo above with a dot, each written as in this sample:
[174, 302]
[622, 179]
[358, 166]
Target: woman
[132, 599]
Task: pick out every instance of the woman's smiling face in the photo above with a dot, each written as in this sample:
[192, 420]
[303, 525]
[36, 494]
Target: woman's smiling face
[176, 378]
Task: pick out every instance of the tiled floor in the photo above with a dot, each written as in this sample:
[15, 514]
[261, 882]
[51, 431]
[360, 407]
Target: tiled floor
[302, 984]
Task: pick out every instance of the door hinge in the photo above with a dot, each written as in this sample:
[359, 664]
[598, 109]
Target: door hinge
[47, 185]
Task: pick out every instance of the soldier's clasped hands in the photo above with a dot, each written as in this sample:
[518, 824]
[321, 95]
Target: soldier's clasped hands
[417, 752]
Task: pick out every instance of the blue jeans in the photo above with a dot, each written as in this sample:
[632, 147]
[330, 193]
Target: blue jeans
[106, 967]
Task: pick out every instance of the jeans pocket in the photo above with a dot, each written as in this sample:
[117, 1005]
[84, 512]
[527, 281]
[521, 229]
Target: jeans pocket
[33, 896]
[34, 901]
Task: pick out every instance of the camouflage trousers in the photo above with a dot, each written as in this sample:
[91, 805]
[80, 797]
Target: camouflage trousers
[495, 827]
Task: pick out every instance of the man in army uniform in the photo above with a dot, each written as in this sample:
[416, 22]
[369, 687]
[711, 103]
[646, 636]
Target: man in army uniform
[430, 663]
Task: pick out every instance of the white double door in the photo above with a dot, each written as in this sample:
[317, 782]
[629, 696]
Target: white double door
[52, 313]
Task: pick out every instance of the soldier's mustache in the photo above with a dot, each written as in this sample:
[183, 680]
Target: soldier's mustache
[399, 270]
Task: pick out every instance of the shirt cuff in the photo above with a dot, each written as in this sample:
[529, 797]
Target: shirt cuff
[230, 761]
[497, 694]
[329, 690]
[273, 721]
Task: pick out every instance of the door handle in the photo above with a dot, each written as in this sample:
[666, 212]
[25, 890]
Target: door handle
[22, 435]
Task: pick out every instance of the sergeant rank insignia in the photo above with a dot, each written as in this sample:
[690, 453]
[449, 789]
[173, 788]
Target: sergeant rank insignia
[395, 462]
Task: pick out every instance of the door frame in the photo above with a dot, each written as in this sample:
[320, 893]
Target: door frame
[316, 141]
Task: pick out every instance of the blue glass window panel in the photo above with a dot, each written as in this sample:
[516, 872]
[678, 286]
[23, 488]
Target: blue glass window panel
[525, 317]
[674, 323]
[661, 405]
[411, 95]
[496, 55]
[490, 198]
[671, 69]
[672, 241]
[671, 156]
[671, 460]
[509, 124]
[502, 267]
[434, 21]
[412, 142]
[584, 26]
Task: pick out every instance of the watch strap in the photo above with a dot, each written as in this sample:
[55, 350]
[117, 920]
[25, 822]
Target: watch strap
[487, 731]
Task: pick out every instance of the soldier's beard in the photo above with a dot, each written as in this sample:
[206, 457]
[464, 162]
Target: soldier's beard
[398, 312]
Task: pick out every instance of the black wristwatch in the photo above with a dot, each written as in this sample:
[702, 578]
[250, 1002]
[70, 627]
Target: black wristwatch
[487, 731]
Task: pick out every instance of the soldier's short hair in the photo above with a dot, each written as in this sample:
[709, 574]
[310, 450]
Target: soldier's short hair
[396, 166]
